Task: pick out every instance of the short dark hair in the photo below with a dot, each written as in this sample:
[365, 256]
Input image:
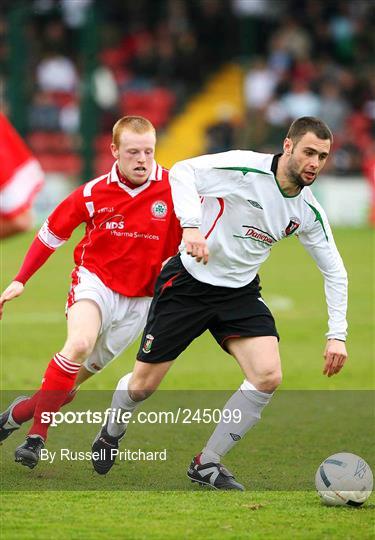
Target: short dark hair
[309, 124]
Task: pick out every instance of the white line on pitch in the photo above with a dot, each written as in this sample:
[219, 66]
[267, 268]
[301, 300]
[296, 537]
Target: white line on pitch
[280, 303]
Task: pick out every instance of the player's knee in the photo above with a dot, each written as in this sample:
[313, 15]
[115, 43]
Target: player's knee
[80, 348]
[140, 388]
[269, 380]
[140, 394]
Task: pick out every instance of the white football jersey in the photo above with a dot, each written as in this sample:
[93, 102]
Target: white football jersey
[236, 200]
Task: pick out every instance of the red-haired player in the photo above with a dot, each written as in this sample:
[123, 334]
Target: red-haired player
[131, 229]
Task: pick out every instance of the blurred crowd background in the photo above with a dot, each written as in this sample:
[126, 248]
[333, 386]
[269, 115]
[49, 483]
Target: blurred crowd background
[70, 68]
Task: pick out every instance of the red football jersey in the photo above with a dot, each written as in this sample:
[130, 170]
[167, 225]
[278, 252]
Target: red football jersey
[20, 174]
[129, 232]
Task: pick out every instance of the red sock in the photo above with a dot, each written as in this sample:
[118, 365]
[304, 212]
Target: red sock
[24, 410]
[58, 381]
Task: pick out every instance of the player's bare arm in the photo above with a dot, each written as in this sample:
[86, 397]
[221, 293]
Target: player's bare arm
[12, 291]
[195, 244]
[335, 356]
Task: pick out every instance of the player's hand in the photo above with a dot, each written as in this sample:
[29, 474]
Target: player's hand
[195, 244]
[15, 289]
[335, 356]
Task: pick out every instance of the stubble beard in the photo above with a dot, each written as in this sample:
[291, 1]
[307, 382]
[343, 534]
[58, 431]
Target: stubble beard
[295, 177]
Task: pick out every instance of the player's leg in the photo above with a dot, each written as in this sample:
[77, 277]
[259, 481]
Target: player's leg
[111, 342]
[145, 378]
[84, 322]
[172, 324]
[131, 391]
[259, 360]
[82, 376]
[251, 337]
[22, 409]
[83, 326]
[134, 388]
[176, 317]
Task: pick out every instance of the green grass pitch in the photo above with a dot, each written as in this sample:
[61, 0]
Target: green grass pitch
[302, 426]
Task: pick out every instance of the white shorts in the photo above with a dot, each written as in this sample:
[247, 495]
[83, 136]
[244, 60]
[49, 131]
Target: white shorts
[123, 318]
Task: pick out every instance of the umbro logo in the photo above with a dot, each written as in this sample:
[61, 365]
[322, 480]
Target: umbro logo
[255, 204]
[211, 472]
[235, 437]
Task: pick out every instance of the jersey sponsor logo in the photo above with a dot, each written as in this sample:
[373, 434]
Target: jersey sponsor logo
[253, 233]
[159, 209]
[255, 204]
[113, 223]
[293, 225]
[148, 344]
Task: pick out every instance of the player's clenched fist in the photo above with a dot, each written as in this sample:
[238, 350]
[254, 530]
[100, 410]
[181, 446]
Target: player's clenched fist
[195, 244]
[12, 291]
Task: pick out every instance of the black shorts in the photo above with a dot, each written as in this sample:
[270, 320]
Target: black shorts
[183, 308]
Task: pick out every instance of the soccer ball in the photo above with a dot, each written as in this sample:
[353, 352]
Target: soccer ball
[344, 479]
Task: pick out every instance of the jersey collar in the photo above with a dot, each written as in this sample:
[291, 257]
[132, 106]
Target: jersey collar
[274, 163]
[155, 176]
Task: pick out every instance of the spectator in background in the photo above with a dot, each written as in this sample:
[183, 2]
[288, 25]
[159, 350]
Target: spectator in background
[222, 134]
[56, 73]
[300, 100]
[342, 27]
[322, 58]
[75, 13]
[294, 38]
[259, 87]
[143, 63]
[280, 59]
[43, 112]
[176, 45]
[333, 108]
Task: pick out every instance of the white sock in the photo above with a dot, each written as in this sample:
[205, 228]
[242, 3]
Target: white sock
[245, 405]
[121, 402]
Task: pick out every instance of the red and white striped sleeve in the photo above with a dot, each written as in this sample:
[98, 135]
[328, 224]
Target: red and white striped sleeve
[57, 228]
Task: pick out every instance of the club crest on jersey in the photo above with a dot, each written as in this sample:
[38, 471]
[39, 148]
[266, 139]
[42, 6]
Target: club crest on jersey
[159, 209]
[293, 225]
[113, 222]
[148, 344]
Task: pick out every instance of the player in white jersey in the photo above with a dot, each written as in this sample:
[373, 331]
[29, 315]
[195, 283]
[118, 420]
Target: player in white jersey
[251, 201]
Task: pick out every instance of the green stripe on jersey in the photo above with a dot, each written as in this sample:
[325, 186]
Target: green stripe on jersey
[244, 170]
[318, 217]
[285, 195]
